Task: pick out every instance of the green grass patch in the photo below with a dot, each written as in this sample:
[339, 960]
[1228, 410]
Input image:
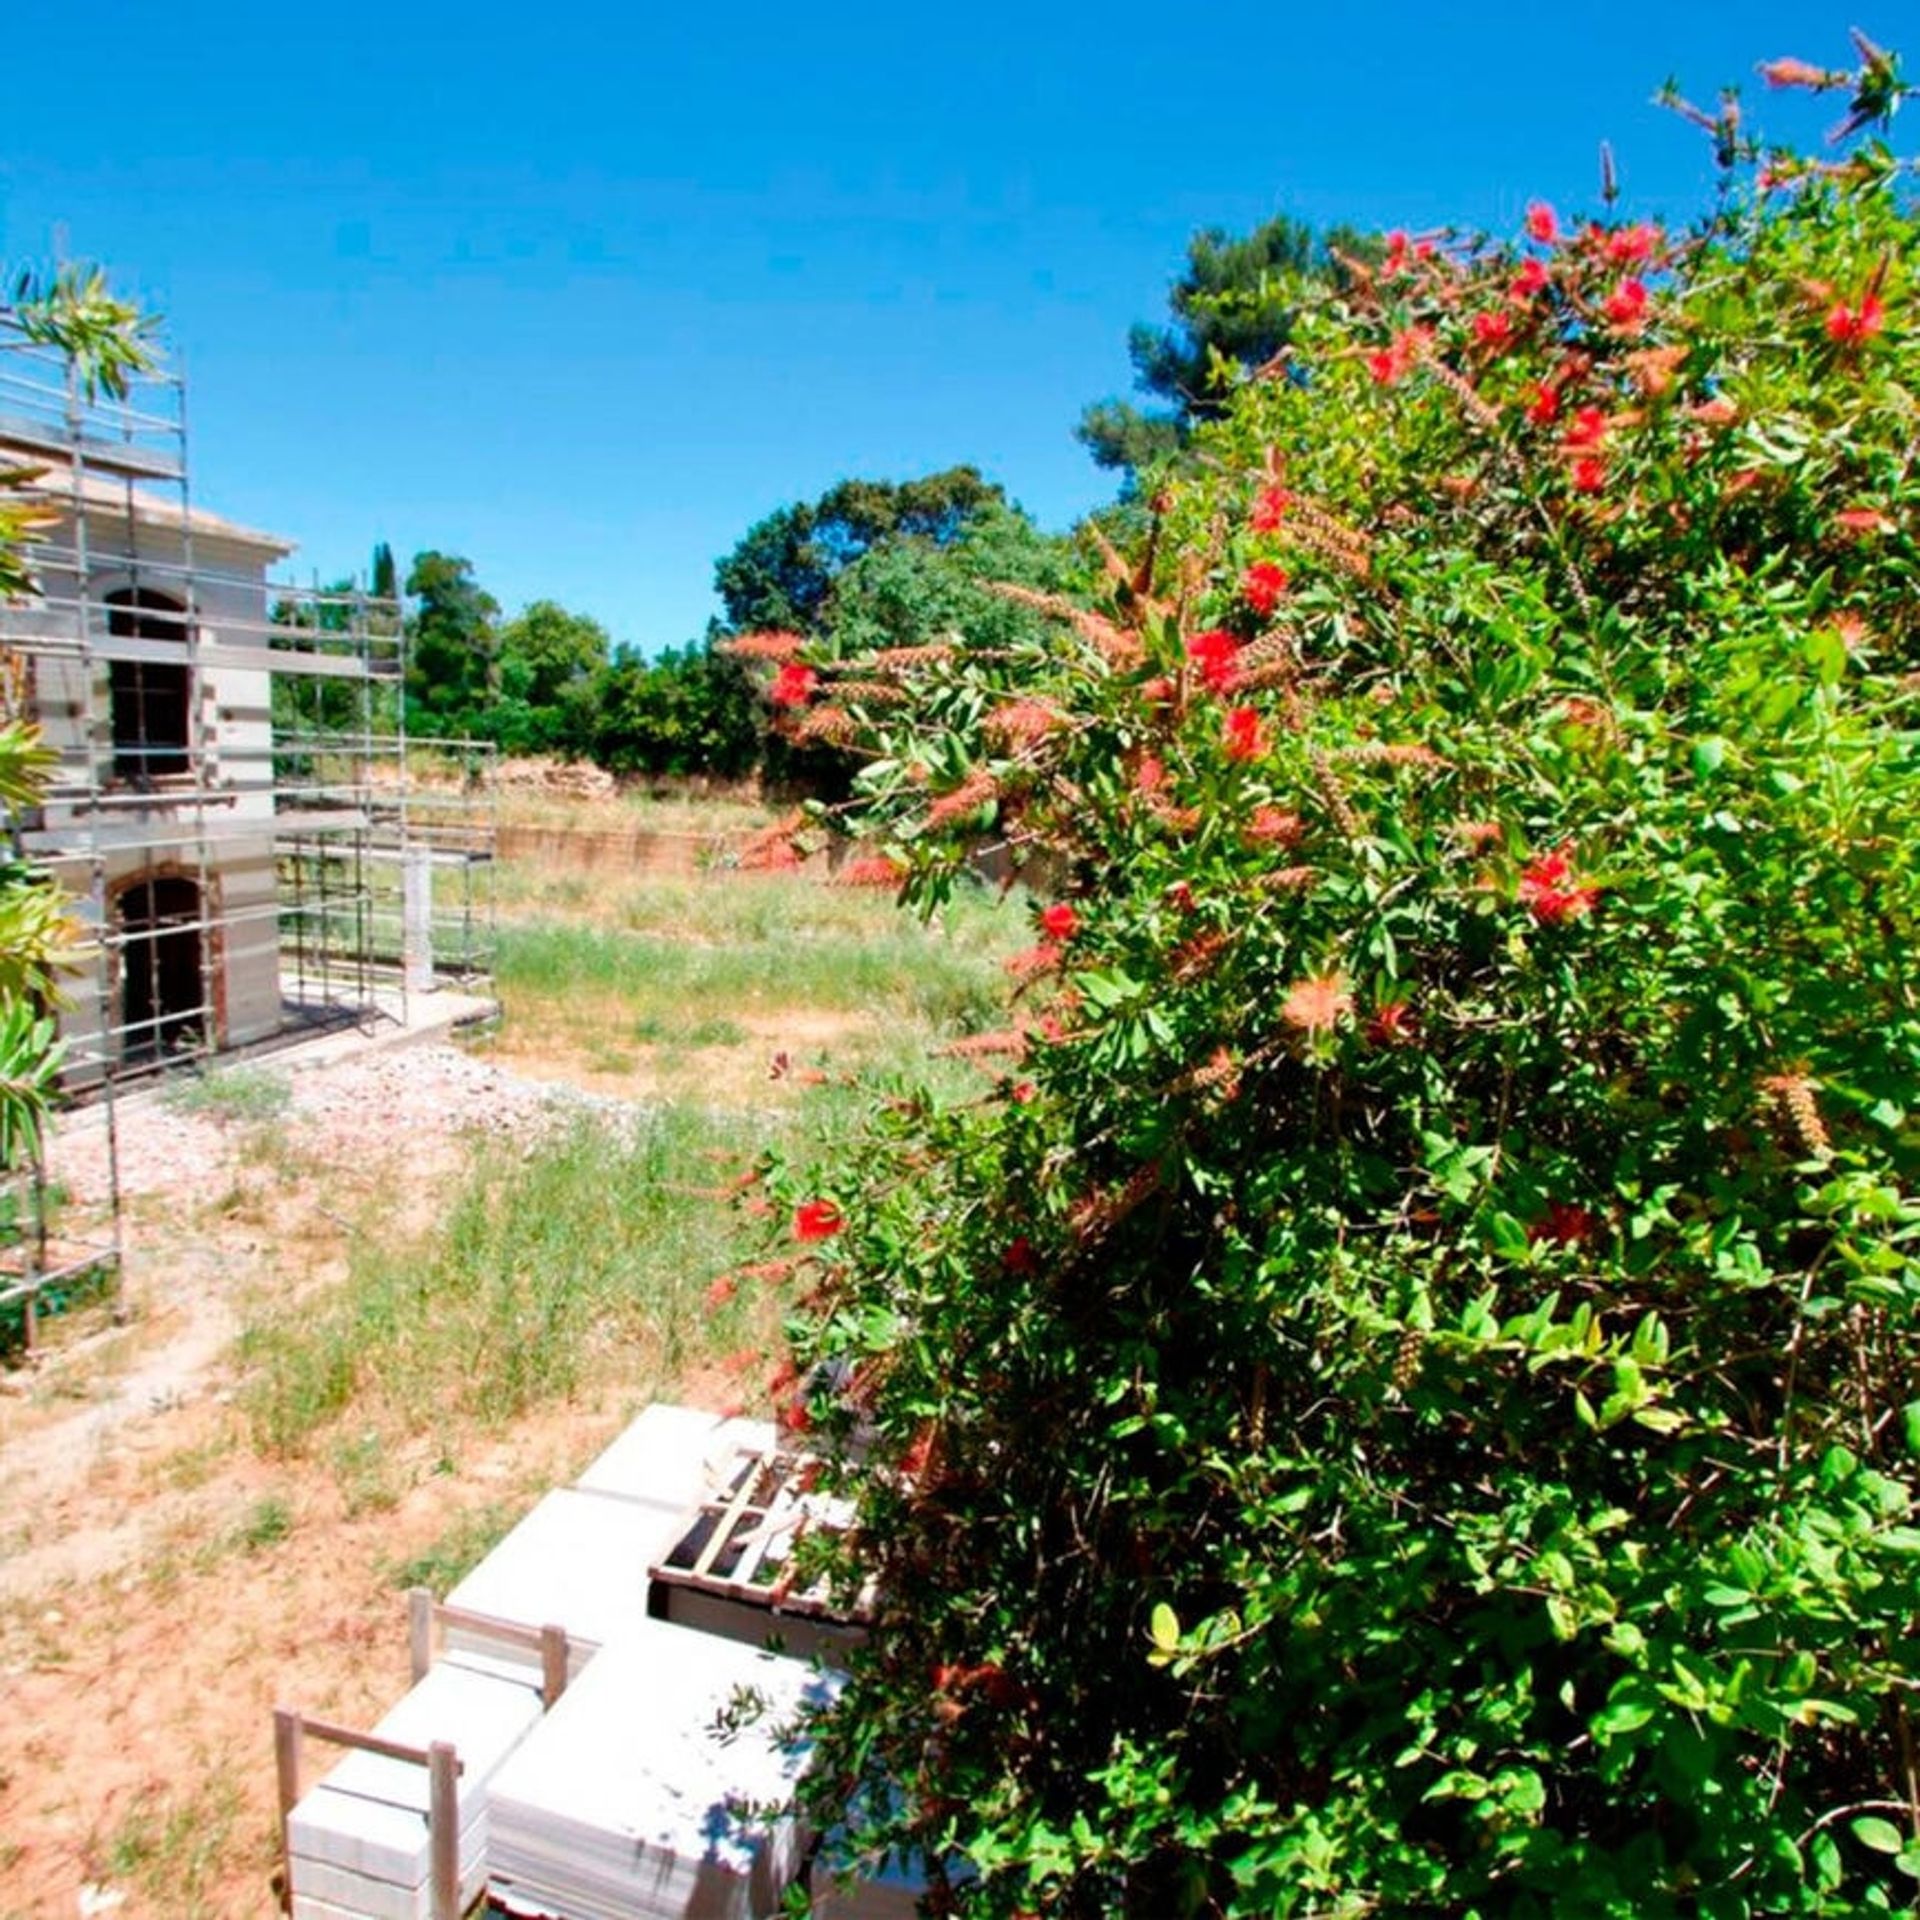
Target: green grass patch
[685, 956]
[171, 1845]
[266, 1523]
[467, 1540]
[251, 1095]
[582, 1257]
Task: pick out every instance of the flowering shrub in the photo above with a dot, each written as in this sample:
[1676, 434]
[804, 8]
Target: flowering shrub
[1405, 1396]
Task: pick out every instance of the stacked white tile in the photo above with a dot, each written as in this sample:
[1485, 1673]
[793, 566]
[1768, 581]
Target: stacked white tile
[674, 1455]
[358, 1842]
[663, 1457]
[578, 1561]
[626, 1803]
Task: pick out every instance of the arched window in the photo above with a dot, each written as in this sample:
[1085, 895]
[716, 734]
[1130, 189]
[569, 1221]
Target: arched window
[151, 699]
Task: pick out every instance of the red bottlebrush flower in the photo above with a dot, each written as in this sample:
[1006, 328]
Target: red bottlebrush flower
[1213, 653]
[1317, 1004]
[1859, 521]
[784, 1377]
[1391, 1025]
[1019, 723]
[1262, 585]
[1242, 735]
[720, 1292]
[1628, 244]
[1270, 507]
[1030, 962]
[1423, 249]
[1393, 360]
[1565, 1225]
[1150, 775]
[773, 644]
[918, 1457]
[1548, 889]
[1493, 330]
[767, 1271]
[1543, 224]
[1059, 921]
[1848, 326]
[1544, 409]
[869, 870]
[1589, 428]
[1799, 73]
[1626, 305]
[1179, 896]
[1396, 251]
[795, 1418]
[1274, 826]
[1531, 279]
[793, 685]
[1159, 691]
[1589, 474]
[1021, 1092]
[1020, 1257]
[817, 1220]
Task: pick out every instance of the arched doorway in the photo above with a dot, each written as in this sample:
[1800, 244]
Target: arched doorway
[162, 991]
[151, 700]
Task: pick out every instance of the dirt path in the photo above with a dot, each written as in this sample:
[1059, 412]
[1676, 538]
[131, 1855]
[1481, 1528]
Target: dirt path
[161, 1585]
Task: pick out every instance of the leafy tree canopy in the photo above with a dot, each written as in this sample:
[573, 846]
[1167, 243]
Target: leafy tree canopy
[781, 574]
[916, 593]
[453, 641]
[691, 710]
[545, 651]
[1233, 309]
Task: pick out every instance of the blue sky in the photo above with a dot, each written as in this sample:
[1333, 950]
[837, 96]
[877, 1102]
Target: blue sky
[582, 293]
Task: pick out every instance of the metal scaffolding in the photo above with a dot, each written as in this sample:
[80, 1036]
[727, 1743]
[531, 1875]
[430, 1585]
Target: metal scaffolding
[252, 844]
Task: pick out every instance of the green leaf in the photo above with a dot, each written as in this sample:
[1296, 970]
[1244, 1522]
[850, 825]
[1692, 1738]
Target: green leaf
[1620, 1716]
[1881, 1835]
[1163, 1627]
[1709, 755]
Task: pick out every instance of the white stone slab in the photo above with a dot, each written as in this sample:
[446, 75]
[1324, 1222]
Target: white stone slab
[622, 1804]
[483, 1716]
[367, 1839]
[578, 1561]
[306, 1907]
[662, 1456]
[328, 1889]
[365, 1823]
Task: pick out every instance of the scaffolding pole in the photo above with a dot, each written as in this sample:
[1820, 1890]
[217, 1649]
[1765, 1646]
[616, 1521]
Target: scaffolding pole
[241, 871]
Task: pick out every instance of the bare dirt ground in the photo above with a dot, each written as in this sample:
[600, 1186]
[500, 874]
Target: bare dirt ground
[161, 1584]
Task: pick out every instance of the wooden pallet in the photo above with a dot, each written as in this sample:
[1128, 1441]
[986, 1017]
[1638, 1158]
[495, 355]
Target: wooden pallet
[740, 1541]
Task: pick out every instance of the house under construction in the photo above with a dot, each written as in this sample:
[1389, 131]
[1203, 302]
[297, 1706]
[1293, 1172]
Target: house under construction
[253, 845]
